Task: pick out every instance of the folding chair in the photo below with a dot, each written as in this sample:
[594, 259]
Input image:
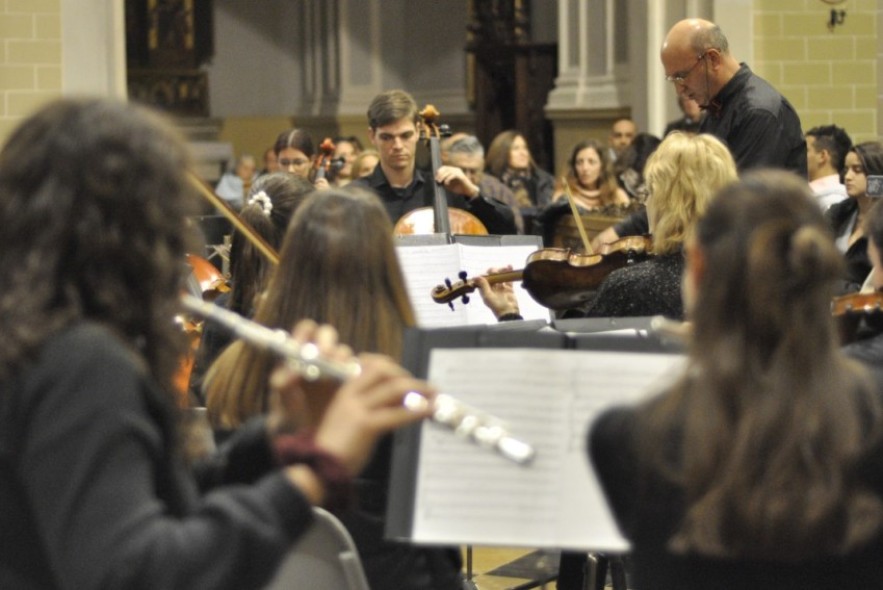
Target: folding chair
[324, 559]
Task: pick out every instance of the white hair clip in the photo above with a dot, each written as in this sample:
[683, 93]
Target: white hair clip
[261, 198]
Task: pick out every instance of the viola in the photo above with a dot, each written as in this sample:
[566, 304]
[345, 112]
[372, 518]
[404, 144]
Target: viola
[445, 220]
[851, 310]
[558, 278]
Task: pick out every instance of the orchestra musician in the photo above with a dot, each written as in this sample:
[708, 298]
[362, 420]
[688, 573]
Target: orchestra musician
[338, 248]
[759, 466]
[393, 120]
[682, 176]
[272, 201]
[94, 490]
[295, 153]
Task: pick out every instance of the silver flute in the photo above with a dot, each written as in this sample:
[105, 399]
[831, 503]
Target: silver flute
[466, 421]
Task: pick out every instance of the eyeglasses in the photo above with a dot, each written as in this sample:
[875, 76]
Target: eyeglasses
[297, 162]
[679, 77]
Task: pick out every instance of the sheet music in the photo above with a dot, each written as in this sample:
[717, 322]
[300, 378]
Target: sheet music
[548, 398]
[425, 267]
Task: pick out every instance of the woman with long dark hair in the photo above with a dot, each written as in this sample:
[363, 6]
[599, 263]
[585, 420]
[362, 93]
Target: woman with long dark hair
[340, 268]
[759, 467]
[94, 487]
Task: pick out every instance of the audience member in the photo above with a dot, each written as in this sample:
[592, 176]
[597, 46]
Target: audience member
[847, 217]
[233, 186]
[759, 467]
[869, 349]
[467, 154]
[271, 163]
[365, 163]
[592, 187]
[347, 149]
[629, 167]
[509, 160]
[622, 132]
[691, 117]
[826, 149]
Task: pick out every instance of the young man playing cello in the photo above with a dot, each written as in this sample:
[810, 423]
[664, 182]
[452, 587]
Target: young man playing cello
[393, 121]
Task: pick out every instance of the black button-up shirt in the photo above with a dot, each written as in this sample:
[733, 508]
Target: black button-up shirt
[497, 217]
[758, 124]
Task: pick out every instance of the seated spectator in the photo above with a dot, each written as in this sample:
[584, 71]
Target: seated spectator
[847, 217]
[509, 160]
[467, 154]
[347, 149]
[826, 149]
[622, 132]
[691, 119]
[233, 186]
[365, 163]
[271, 164]
[592, 186]
[629, 167]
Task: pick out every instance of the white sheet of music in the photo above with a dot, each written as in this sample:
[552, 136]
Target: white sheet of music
[548, 398]
[425, 267]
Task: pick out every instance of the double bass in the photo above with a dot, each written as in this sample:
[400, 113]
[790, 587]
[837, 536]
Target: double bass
[439, 218]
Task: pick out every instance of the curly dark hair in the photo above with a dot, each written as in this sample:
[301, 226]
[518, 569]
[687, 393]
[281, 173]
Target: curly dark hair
[93, 205]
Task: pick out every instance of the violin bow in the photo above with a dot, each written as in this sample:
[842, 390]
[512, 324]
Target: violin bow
[227, 211]
[577, 217]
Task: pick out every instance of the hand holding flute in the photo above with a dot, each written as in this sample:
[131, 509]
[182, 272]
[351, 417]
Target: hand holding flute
[312, 361]
[357, 413]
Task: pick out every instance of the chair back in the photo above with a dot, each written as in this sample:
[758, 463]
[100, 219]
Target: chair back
[325, 558]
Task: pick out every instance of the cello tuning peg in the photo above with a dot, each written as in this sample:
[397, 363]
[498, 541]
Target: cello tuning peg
[462, 275]
[451, 305]
[448, 283]
[465, 299]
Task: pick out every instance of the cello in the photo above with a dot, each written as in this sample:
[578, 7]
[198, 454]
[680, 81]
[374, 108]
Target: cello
[439, 218]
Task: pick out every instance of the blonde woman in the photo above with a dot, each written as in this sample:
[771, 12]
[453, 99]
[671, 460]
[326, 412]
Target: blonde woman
[682, 176]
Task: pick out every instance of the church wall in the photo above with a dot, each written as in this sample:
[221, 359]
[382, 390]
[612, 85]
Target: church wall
[30, 58]
[829, 76]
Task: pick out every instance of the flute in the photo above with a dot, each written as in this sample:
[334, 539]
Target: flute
[466, 421]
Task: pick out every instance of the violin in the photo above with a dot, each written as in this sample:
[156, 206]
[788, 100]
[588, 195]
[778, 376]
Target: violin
[444, 220]
[558, 278]
[852, 310]
[326, 165]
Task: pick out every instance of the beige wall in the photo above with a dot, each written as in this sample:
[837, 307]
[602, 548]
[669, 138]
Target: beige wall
[829, 76]
[30, 58]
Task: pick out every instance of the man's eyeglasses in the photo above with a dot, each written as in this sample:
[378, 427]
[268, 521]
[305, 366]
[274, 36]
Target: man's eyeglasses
[679, 77]
[298, 162]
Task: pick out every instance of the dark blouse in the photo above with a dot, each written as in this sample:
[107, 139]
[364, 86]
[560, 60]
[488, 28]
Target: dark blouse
[858, 264]
[651, 287]
[94, 492]
[649, 509]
